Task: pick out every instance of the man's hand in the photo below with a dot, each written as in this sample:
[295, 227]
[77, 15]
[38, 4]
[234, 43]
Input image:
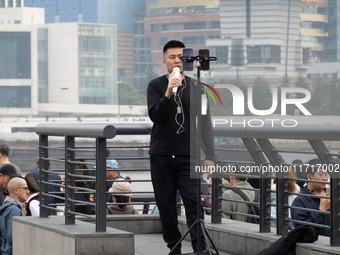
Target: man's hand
[325, 204]
[208, 164]
[172, 84]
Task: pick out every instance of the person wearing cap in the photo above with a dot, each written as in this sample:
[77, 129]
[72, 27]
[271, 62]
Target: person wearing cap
[4, 158]
[7, 172]
[112, 174]
[32, 203]
[121, 194]
[12, 206]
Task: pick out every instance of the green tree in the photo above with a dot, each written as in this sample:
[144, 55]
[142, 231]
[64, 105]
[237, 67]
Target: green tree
[262, 94]
[128, 96]
[325, 97]
[302, 82]
[226, 97]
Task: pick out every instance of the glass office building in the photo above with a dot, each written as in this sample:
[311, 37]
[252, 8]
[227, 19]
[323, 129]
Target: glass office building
[332, 42]
[15, 63]
[118, 12]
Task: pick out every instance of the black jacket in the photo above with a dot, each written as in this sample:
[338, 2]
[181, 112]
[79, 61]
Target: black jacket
[312, 217]
[162, 111]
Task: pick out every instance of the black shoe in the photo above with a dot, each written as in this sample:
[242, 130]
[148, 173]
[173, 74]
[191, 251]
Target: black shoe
[176, 251]
[205, 251]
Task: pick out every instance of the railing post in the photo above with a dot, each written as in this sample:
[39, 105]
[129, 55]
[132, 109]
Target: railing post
[216, 203]
[43, 165]
[256, 153]
[281, 186]
[101, 185]
[69, 181]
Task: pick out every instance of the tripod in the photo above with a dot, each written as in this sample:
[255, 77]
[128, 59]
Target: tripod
[202, 64]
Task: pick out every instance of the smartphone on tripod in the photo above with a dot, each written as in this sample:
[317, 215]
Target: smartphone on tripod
[188, 65]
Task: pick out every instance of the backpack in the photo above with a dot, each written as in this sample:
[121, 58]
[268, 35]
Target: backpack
[253, 209]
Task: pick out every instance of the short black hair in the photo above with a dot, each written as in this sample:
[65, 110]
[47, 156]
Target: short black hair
[4, 150]
[173, 44]
[312, 166]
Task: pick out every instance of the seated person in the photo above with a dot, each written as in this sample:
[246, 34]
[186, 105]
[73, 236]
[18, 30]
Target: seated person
[240, 207]
[317, 189]
[120, 188]
[33, 202]
[292, 187]
[112, 174]
[52, 177]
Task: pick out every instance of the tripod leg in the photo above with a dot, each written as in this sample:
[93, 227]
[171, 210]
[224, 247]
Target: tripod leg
[206, 236]
[182, 238]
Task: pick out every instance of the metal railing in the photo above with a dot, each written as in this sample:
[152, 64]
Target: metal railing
[99, 133]
[258, 144]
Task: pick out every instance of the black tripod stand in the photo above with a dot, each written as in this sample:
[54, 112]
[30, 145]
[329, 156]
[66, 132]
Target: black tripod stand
[202, 64]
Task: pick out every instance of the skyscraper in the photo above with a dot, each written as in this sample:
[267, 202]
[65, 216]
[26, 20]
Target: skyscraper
[119, 12]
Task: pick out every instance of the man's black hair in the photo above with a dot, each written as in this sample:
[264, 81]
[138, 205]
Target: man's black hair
[173, 44]
[312, 166]
[4, 150]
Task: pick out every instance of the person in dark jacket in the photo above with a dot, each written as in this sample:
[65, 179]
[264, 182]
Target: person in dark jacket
[18, 193]
[7, 172]
[320, 204]
[173, 139]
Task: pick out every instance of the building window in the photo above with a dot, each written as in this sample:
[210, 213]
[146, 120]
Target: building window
[15, 96]
[92, 100]
[221, 52]
[305, 56]
[263, 54]
[15, 55]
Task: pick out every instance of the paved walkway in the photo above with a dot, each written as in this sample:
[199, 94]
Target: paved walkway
[153, 244]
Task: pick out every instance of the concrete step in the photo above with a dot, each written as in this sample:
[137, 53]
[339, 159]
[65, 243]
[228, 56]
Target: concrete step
[153, 244]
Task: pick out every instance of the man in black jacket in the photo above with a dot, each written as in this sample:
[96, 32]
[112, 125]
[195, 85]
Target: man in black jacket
[7, 172]
[173, 140]
[312, 189]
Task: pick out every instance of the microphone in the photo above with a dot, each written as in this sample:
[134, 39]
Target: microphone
[176, 73]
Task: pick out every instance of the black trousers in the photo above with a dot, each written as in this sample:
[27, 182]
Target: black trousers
[170, 173]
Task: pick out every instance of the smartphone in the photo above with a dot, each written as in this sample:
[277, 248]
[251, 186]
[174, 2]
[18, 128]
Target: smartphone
[188, 65]
[204, 59]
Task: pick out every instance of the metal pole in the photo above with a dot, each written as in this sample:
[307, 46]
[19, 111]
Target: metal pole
[216, 194]
[101, 185]
[198, 155]
[43, 164]
[287, 38]
[69, 181]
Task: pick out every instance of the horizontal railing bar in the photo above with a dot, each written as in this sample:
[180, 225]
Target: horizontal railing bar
[299, 132]
[133, 129]
[308, 210]
[308, 223]
[53, 148]
[91, 130]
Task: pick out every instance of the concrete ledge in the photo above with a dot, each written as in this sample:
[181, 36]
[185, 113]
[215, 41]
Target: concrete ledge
[245, 239]
[33, 235]
[137, 224]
